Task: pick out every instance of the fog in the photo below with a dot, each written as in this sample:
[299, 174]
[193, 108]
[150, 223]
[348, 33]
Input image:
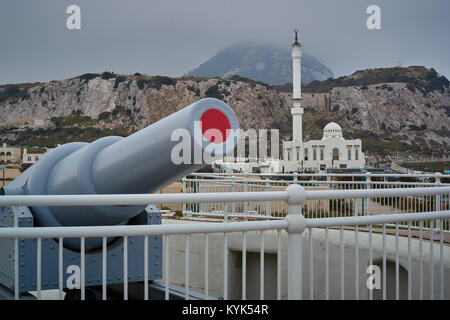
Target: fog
[171, 37]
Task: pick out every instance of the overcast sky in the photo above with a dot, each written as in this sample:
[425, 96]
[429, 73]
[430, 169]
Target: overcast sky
[171, 37]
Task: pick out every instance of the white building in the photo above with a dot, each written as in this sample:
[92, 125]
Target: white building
[332, 151]
[9, 155]
[29, 159]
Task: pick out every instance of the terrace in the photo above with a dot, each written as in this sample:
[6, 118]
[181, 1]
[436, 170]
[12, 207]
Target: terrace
[300, 237]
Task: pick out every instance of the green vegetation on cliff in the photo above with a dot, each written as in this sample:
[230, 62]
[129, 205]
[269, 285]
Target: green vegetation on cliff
[416, 77]
[425, 80]
[15, 92]
[55, 136]
[428, 166]
[75, 119]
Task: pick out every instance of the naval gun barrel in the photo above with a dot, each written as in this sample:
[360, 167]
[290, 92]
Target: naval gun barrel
[140, 163]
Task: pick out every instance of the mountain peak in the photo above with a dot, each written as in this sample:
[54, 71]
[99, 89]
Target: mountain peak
[260, 62]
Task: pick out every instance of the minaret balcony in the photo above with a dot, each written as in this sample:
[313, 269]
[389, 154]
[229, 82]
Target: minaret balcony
[296, 110]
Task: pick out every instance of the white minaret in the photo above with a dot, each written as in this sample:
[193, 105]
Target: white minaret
[297, 110]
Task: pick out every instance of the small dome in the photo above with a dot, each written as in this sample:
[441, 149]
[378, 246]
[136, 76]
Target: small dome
[332, 131]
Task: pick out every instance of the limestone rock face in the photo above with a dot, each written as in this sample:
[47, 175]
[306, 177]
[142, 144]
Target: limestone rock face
[388, 109]
[381, 112]
[255, 104]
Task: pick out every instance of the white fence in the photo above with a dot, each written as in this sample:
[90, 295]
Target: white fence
[209, 183]
[429, 228]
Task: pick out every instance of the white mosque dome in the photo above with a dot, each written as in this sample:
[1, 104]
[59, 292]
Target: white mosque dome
[332, 131]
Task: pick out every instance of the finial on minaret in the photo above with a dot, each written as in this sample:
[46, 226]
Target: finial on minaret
[296, 36]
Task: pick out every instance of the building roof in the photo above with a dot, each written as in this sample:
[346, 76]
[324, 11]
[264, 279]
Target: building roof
[332, 131]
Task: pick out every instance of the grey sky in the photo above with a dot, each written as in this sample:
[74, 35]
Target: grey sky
[171, 37]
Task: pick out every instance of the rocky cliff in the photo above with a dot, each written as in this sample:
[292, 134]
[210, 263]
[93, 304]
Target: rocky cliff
[138, 100]
[388, 116]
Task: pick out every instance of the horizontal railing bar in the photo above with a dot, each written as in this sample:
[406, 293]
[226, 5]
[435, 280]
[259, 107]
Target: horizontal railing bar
[209, 227]
[231, 215]
[372, 174]
[377, 219]
[374, 193]
[204, 182]
[138, 199]
[140, 230]
[144, 199]
[405, 226]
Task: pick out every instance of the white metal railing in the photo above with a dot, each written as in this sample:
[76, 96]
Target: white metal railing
[291, 175]
[431, 228]
[436, 218]
[223, 182]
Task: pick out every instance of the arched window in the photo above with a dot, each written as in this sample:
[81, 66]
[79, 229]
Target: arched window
[335, 154]
[8, 153]
[2, 153]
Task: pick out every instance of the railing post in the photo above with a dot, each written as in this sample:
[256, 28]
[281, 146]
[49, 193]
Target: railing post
[368, 186]
[296, 226]
[268, 203]
[246, 190]
[438, 202]
[194, 208]
[184, 191]
[437, 184]
[296, 177]
[233, 189]
[16, 257]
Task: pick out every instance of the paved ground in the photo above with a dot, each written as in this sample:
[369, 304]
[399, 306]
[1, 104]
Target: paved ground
[176, 187]
[9, 174]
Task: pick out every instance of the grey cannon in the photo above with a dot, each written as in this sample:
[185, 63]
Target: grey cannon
[140, 163]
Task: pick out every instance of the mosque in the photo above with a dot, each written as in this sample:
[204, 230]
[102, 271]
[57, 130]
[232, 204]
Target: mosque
[331, 152]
